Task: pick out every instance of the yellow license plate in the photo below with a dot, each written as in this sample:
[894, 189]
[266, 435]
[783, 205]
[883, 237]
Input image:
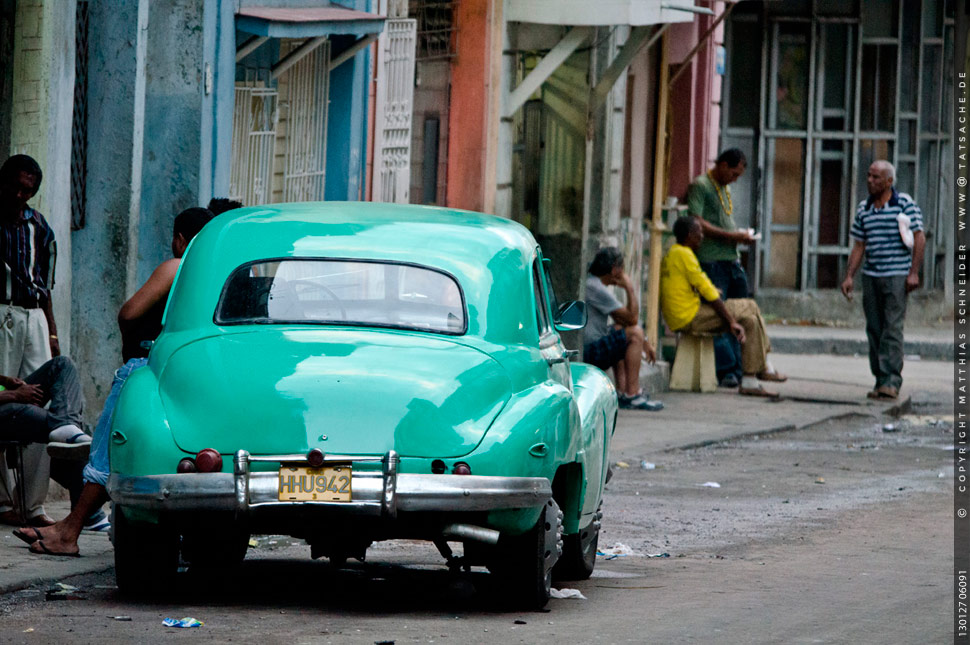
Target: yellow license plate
[305, 484]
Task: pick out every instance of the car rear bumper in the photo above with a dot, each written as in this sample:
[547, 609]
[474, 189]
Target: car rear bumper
[376, 493]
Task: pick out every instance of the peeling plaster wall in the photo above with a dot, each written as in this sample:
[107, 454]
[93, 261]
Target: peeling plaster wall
[173, 125]
[42, 101]
[105, 249]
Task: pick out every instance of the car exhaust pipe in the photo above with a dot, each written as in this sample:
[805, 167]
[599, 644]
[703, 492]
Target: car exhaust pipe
[470, 532]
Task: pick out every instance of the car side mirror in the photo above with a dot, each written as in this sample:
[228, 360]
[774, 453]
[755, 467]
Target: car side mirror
[571, 316]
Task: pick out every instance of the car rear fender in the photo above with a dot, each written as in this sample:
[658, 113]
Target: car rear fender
[531, 436]
[141, 441]
[597, 407]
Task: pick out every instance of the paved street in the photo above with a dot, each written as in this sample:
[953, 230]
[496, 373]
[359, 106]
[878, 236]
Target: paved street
[824, 528]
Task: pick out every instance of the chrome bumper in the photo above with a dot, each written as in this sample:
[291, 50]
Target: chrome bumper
[375, 493]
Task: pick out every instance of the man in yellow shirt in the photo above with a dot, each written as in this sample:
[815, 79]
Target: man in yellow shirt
[691, 304]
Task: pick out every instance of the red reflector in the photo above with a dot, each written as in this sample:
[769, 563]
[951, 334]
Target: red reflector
[208, 461]
[315, 457]
[186, 466]
[461, 468]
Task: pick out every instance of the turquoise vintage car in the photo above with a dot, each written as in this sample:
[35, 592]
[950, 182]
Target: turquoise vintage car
[354, 372]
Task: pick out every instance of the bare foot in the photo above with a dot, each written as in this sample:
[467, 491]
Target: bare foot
[53, 543]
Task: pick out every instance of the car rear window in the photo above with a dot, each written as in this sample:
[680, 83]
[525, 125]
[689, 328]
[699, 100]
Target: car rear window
[343, 292]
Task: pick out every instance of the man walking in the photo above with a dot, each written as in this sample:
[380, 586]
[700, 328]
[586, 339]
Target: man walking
[620, 346]
[709, 199]
[888, 234]
[28, 335]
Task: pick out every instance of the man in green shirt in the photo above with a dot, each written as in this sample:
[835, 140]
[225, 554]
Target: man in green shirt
[709, 199]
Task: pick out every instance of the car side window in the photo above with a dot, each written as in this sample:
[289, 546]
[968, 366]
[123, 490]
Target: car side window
[542, 310]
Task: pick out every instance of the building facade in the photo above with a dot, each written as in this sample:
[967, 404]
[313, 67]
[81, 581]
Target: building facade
[138, 109]
[815, 91]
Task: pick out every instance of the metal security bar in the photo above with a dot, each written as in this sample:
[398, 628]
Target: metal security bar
[843, 84]
[435, 24]
[307, 92]
[394, 109]
[79, 122]
[254, 126]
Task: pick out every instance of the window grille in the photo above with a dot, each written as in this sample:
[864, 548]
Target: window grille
[254, 124]
[436, 23]
[307, 99]
[80, 118]
[394, 110]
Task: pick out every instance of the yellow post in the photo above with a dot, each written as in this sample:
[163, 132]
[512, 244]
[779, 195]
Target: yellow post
[652, 302]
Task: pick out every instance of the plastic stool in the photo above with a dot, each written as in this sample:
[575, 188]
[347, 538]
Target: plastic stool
[15, 461]
[694, 369]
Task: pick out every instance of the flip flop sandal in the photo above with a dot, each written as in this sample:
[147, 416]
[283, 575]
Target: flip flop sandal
[24, 535]
[774, 377]
[757, 391]
[45, 551]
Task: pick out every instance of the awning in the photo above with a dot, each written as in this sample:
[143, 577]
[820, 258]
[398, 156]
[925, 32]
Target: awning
[309, 22]
[635, 13]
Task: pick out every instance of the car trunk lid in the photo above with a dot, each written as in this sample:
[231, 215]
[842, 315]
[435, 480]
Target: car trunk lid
[361, 392]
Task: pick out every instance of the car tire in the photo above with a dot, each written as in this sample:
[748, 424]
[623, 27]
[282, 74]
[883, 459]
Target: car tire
[579, 551]
[146, 555]
[525, 562]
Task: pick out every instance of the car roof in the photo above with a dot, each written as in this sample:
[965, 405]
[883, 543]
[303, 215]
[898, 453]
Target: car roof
[403, 232]
[485, 253]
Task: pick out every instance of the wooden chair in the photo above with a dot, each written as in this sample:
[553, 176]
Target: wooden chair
[694, 368]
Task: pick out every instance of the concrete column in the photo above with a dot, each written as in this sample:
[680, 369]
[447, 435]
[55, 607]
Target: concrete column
[174, 90]
[105, 250]
[42, 102]
[218, 96]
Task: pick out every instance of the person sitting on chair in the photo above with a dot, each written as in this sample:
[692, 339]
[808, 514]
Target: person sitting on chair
[620, 346]
[692, 305]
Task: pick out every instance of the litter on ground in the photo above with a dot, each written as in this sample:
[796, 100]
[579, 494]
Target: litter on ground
[567, 593]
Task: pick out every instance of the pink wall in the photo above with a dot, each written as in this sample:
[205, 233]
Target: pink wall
[469, 106]
[694, 103]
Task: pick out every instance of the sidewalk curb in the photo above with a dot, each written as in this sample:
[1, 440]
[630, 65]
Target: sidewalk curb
[925, 349]
[106, 563]
[770, 431]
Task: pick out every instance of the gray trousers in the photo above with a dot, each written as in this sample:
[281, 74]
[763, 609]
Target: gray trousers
[25, 422]
[884, 303]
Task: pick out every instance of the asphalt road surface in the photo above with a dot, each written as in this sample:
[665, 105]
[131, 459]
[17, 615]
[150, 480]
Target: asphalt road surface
[836, 533]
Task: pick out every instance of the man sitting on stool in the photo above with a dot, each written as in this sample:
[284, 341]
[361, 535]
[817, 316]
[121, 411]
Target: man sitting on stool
[620, 346]
[692, 305]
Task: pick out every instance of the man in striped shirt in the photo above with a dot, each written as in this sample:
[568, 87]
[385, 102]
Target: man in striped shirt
[28, 335]
[888, 234]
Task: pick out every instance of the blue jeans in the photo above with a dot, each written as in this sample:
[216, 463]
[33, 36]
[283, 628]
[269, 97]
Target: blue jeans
[732, 281]
[96, 470]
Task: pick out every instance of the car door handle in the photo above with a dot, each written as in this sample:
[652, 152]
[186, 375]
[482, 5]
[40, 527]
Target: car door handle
[566, 355]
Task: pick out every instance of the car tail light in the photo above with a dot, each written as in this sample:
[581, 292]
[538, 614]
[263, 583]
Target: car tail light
[186, 466]
[315, 457]
[438, 467]
[208, 461]
[461, 468]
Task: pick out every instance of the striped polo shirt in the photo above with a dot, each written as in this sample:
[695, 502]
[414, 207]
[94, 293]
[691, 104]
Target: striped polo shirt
[878, 229]
[27, 257]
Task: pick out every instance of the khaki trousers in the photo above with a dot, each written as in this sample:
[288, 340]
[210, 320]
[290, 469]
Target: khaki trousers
[24, 347]
[754, 351]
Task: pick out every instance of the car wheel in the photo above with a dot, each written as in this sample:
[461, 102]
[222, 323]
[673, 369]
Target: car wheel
[146, 555]
[525, 562]
[579, 551]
